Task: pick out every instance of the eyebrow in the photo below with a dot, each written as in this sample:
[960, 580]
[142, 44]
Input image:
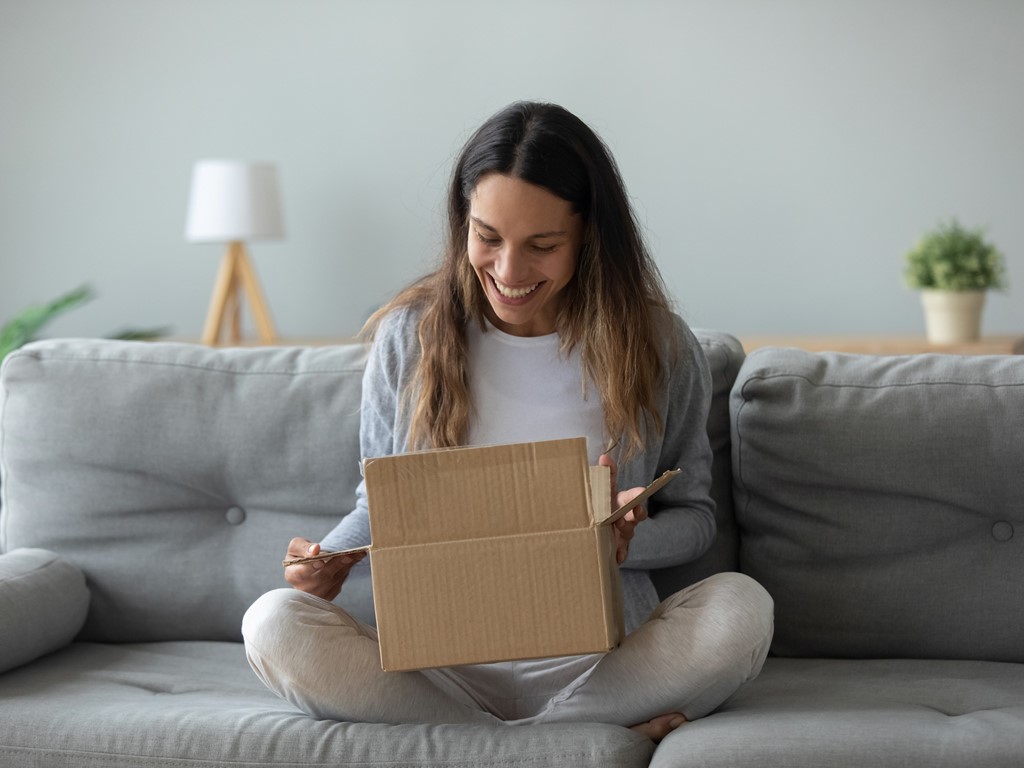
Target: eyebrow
[552, 233]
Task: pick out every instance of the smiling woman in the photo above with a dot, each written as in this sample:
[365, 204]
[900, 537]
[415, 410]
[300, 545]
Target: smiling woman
[536, 177]
[523, 244]
[545, 319]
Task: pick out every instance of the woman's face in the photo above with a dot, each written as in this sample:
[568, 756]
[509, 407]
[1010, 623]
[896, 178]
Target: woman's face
[523, 244]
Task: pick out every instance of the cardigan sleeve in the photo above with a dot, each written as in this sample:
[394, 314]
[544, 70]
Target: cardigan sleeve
[389, 366]
[681, 523]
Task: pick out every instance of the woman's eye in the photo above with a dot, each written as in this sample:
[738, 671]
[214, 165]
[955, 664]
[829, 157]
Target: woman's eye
[545, 248]
[486, 240]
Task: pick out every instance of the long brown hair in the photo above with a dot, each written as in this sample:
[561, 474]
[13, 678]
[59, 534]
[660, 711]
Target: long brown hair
[614, 308]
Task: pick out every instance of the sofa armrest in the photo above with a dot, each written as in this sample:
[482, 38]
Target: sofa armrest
[43, 603]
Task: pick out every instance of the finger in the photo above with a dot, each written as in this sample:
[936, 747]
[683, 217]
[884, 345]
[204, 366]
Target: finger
[628, 495]
[621, 551]
[343, 563]
[606, 460]
[300, 576]
[623, 499]
[303, 573]
[300, 547]
[312, 550]
[314, 577]
[626, 531]
[623, 535]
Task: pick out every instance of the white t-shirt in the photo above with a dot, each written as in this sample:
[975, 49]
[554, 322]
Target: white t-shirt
[525, 390]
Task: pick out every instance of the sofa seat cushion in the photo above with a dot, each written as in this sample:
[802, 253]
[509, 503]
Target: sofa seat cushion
[199, 704]
[807, 713]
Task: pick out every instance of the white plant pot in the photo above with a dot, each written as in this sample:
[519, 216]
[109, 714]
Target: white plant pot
[952, 317]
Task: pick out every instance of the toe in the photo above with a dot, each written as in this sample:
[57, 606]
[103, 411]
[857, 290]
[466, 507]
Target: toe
[660, 727]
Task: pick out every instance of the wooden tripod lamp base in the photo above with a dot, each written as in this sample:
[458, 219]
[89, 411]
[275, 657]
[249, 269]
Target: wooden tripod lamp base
[236, 276]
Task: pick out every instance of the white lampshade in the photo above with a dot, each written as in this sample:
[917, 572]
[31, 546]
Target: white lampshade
[231, 201]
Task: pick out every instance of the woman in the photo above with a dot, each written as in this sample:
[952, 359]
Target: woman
[546, 319]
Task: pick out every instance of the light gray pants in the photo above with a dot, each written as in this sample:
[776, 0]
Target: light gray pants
[698, 647]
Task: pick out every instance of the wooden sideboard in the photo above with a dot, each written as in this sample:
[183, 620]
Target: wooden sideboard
[887, 345]
[319, 341]
[871, 345]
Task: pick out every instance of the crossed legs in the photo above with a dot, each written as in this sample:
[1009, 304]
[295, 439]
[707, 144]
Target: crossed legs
[699, 646]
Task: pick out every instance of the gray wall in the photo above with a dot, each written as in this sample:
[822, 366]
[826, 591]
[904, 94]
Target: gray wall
[782, 154]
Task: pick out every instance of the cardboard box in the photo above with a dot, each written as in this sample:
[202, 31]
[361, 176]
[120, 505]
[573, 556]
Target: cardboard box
[491, 554]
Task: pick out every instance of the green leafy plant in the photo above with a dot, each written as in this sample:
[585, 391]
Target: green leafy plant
[954, 258]
[25, 326]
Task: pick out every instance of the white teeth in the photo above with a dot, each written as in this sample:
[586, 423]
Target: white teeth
[514, 293]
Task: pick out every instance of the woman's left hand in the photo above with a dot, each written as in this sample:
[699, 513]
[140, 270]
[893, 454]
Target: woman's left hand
[624, 526]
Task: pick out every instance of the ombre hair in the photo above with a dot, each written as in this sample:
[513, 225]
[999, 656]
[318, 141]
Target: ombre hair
[615, 308]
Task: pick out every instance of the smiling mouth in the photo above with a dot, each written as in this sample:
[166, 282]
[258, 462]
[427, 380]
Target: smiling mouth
[513, 293]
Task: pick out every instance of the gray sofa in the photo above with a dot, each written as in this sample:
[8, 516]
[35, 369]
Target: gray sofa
[148, 491]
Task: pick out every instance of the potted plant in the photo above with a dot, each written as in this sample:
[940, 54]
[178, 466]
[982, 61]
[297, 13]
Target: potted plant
[23, 328]
[953, 267]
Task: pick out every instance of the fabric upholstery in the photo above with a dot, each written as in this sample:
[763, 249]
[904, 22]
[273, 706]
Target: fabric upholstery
[199, 704]
[809, 713]
[879, 500]
[43, 601]
[175, 475]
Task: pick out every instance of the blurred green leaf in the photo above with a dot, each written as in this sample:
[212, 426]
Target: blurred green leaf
[24, 327]
[140, 334]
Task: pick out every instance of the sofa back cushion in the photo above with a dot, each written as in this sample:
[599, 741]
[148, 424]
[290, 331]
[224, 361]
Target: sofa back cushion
[879, 501]
[174, 475]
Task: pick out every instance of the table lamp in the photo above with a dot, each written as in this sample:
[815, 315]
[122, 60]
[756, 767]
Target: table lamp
[232, 202]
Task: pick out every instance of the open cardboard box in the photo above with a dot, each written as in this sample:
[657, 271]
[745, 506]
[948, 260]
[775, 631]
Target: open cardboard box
[493, 553]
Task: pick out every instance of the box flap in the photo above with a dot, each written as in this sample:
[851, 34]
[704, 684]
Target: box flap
[649, 491]
[601, 493]
[324, 555]
[467, 493]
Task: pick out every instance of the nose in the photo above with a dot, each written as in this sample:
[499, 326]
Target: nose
[510, 266]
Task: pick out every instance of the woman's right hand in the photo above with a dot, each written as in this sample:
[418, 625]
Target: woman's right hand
[322, 578]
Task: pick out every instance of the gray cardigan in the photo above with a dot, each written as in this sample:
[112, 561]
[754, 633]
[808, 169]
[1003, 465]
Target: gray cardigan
[681, 524]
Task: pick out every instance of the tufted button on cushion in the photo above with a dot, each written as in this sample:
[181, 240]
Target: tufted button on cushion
[235, 515]
[1002, 531]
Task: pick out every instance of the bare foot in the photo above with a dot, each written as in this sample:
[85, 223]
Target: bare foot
[660, 727]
